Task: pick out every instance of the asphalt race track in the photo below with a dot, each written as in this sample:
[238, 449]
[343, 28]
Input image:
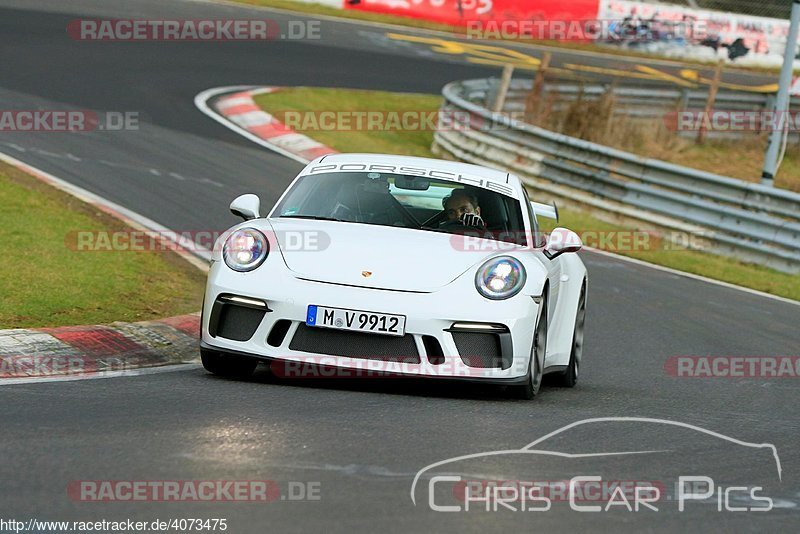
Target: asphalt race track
[360, 443]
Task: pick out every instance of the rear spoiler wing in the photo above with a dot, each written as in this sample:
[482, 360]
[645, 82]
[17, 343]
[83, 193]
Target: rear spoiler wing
[545, 210]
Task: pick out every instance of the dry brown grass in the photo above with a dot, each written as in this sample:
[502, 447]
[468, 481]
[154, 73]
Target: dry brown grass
[595, 121]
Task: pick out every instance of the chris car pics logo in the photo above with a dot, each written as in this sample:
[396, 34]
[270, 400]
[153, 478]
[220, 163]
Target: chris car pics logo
[451, 486]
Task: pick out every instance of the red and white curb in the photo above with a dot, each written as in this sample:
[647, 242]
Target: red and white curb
[119, 349]
[87, 351]
[234, 108]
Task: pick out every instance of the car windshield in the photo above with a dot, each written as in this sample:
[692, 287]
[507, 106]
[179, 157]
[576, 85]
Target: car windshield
[404, 201]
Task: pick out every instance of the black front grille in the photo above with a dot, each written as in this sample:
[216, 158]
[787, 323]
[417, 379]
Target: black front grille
[479, 349]
[355, 344]
[238, 323]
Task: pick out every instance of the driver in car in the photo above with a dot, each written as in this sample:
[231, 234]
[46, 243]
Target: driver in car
[462, 206]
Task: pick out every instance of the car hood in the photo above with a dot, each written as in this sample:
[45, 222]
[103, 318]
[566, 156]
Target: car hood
[371, 256]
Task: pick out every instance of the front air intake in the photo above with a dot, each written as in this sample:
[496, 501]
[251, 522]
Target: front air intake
[236, 318]
[485, 346]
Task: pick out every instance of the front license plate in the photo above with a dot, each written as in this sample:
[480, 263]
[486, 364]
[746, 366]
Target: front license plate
[356, 320]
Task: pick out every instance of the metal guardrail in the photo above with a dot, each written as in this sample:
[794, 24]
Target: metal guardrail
[643, 103]
[750, 221]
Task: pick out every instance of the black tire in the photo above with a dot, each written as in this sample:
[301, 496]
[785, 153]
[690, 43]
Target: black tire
[533, 382]
[569, 377]
[227, 365]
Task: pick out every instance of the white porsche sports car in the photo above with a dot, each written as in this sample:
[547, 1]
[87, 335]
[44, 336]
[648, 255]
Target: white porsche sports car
[403, 265]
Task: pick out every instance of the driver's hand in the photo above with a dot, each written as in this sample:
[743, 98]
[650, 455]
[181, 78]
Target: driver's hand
[471, 219]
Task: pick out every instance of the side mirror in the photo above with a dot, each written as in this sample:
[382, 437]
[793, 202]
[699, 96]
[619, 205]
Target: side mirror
[560, 241]
[246, 207]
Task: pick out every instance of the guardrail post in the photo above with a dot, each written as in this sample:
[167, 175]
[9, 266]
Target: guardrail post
[712, 97]
[783, 100]
[534, 99]
[770, 102]
[505, 81]
[683, 104]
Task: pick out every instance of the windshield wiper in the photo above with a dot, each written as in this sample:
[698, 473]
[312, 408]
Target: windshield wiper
[312, 217]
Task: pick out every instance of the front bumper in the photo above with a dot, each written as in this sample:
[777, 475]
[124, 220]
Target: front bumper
[429, 349]
[285, 369]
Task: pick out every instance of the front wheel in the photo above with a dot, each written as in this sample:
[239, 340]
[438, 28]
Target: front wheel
[569, 377]
[533, 383]
[227, 365]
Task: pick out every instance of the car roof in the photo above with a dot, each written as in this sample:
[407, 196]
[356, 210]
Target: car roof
[467, 169]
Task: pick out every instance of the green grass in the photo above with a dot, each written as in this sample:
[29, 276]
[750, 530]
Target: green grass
[46, 282]
[313, 101]
[690, 261]
[418, 143]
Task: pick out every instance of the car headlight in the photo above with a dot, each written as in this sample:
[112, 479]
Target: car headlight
[245, 249]
[500, 278]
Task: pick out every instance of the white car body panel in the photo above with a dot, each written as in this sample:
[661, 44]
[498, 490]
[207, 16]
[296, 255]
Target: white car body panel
[397, 256]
